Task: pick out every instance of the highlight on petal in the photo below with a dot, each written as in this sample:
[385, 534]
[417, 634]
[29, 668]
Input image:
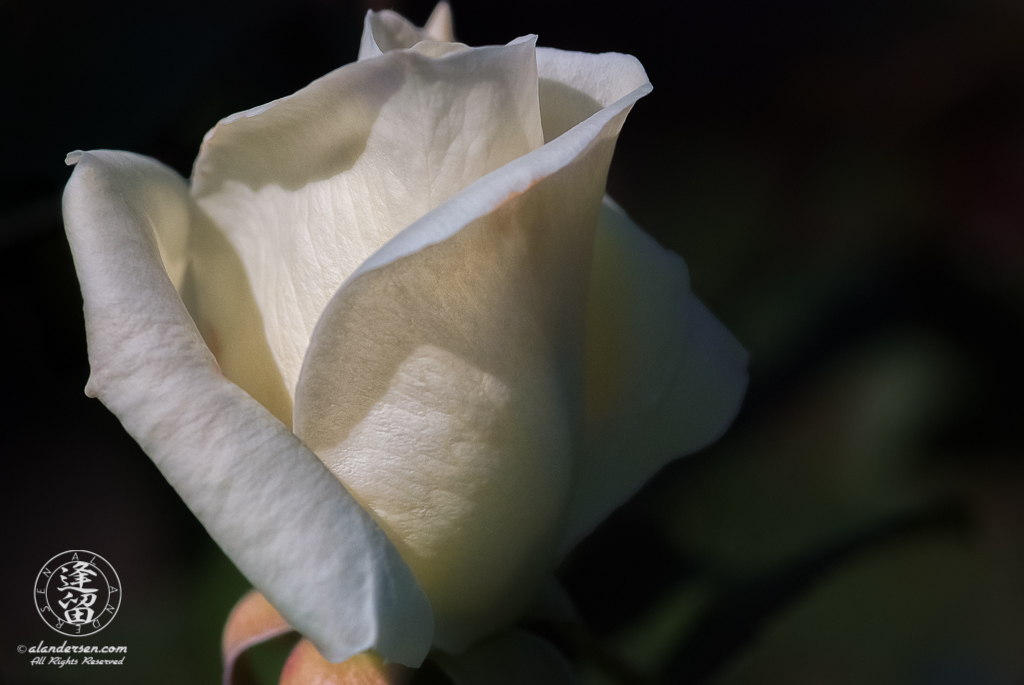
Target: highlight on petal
[306, 189]
[252, 621]
[664, 377]
[305, 666]
[270, 504]
[576, 85]
[387, 30]
[440, 380]
[511, 657]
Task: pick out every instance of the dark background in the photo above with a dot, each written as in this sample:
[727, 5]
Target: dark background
[846, 183]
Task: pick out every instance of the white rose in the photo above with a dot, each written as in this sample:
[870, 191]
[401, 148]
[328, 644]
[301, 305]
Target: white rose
[413, 257]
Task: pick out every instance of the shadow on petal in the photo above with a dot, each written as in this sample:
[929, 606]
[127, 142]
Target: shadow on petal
[219, 297]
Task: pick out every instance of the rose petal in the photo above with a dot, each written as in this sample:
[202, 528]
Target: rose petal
[218, 297]
[168, 196]
[441, 381]
[512, 657]
[439, 24]
[664, 377]
[252, 620]
[305, 666]
[211, 279]
[308, 187]
[263, 496]
[575, 85]
[386, 30]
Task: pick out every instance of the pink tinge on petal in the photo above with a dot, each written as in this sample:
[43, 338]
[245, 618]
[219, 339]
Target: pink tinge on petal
[305, 666]
[252, 621]
[272, 506]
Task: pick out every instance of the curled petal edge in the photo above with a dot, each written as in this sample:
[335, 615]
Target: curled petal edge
[527, 184]
[492, 190]
[279, 514]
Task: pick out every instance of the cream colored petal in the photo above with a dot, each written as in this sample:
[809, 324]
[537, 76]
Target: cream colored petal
[308, 187]
[212, 281]
[386, 30]
[164, 196]
[575, 85]
[305, 666]
[443, 381]
[217, 294]
[284, 520]
[664, 377]
[512, 657]
[439, 24]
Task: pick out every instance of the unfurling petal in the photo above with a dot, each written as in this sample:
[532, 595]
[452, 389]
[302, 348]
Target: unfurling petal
[306, 188]
[252, 621]
[385, 31]
[511, 657]
[440, 382]
[282, 517]
[439, 24]
[305, 666]
[664, 377]
[207, 272]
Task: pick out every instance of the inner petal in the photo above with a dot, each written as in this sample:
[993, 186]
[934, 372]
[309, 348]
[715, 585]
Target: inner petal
[308, 187]
[387, 30]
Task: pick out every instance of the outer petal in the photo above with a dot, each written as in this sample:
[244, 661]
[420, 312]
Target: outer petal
[164, 197]
[263, 496]
[442, 381]
[385, 31]
[576, 85]
[217, 294]
[211, 279]
[308, 187]
[512, 657]
[664, 377]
